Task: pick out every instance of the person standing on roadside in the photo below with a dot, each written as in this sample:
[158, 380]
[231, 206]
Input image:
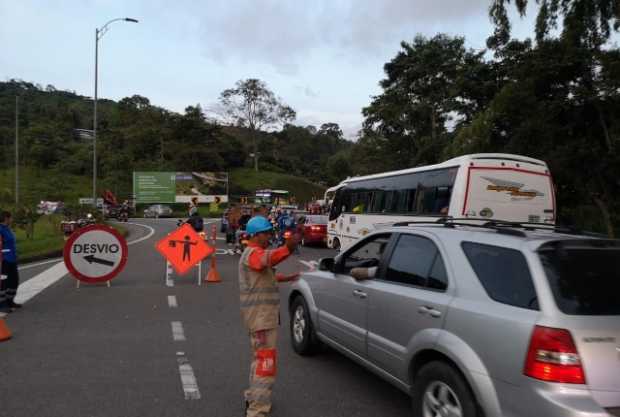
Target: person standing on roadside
[260, 309]
[8, 286]
[193, 207]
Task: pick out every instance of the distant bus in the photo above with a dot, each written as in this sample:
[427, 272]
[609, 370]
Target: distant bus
[489, 186]
[272, 197]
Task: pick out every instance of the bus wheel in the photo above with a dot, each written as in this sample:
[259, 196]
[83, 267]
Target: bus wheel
[336, 244]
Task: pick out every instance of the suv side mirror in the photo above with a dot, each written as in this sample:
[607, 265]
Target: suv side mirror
[326, 264]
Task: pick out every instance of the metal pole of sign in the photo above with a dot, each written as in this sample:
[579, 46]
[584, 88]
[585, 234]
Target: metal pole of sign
[199, 273]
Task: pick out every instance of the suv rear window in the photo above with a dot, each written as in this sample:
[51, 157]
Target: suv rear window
[584, 276]
[503, 273]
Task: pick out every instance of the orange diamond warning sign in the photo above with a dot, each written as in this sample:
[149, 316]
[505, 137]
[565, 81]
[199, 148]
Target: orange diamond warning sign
[184, 248]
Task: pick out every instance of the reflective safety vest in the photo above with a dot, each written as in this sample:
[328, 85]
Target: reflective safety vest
[260, 298]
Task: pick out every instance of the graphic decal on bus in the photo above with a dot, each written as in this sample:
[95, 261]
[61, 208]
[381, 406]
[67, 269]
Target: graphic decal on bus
[514, 189]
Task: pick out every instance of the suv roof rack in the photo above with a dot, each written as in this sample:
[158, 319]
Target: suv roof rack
[450, 223]
[503, 226]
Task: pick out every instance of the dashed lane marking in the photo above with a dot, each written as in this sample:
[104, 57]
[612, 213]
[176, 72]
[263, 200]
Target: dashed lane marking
[178, 335]
[172, 301]
[188, 379]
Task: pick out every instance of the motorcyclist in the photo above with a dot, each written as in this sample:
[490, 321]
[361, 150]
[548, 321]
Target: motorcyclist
[124, 210]
[286, 223]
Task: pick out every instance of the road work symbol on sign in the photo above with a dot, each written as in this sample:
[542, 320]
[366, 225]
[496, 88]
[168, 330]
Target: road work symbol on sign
[184, 248]
[95, 253]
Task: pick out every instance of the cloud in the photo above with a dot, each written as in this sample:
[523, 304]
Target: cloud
[285, 34]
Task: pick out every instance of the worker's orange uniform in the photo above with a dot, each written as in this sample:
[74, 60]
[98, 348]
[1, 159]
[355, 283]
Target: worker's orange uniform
[260, 308]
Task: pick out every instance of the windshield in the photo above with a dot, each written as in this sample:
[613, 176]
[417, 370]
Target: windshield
[317, 220]
[584, 276]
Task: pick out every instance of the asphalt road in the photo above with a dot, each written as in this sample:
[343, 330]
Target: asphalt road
[102, 352]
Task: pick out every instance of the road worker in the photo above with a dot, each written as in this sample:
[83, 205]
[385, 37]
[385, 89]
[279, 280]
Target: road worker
[260, 309]
[8, 260]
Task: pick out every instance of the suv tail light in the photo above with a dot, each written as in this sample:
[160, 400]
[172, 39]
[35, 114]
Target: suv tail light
[553, 357]
[315, 228]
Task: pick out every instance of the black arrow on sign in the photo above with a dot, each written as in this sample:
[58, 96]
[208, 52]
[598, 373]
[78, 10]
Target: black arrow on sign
[92, 258]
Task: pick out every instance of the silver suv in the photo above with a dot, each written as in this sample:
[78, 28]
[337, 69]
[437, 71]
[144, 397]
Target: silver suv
[493, 320]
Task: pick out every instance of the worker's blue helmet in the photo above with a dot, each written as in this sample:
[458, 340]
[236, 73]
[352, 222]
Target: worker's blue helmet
[258, 224]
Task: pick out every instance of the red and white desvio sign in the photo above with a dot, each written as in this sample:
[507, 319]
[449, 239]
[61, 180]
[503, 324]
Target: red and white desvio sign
[95, 253]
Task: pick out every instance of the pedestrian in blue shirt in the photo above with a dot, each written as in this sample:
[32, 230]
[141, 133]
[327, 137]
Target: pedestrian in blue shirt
[8, 285]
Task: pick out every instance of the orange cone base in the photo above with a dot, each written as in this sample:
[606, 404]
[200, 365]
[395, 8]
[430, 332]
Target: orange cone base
[5, 333]
[213, 276]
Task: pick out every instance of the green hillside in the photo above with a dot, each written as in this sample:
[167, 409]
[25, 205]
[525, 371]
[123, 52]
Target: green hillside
[246, 181]
[55, 185]
[43, 184]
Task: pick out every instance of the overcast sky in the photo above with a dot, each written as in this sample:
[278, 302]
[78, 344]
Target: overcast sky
[324, 58]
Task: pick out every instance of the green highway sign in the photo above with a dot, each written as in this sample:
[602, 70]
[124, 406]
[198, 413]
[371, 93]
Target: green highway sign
[154, 187]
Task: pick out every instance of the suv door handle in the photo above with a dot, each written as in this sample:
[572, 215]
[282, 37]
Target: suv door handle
[360, 294]
[423, 310]
[429, 310]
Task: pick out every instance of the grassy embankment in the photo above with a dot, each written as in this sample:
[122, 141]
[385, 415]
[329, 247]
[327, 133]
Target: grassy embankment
[247, 181]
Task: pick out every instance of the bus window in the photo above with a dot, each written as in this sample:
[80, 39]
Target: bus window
[360, 202]
[378, 201]
[411, 196]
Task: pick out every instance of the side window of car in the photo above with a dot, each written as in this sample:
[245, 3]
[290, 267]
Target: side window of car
[504, 274]
[416, 261]
[438, 277]
[368, 254]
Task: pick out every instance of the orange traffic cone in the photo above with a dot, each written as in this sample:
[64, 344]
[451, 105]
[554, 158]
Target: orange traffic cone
[5, 333]
[213, 275]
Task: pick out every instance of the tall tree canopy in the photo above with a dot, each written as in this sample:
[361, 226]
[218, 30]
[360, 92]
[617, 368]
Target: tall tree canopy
[253, 105]
[584, 22]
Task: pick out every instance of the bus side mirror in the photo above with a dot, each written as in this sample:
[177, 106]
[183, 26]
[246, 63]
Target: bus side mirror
[326, 264]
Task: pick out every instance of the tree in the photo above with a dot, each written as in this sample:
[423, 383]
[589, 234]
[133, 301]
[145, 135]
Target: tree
[586, 27]
[587, 23]
[252, 105]
[331, 129]
[429, 83]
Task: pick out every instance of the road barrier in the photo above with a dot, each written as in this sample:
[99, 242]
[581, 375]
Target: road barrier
[213, 276]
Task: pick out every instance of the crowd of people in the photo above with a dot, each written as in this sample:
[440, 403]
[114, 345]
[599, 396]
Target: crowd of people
[236, 218]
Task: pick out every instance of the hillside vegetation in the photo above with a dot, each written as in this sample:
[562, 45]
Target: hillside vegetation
[246, 181]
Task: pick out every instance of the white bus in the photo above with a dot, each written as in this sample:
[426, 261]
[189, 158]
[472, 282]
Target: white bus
[489, 186]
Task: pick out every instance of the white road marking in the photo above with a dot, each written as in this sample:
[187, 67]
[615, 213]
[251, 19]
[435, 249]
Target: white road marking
[311, 265]
[35, 285]
[169, 281]
[178, 335]
[188, 379]
[148, 236]
[220, 251]
[172, 301]
[28, 266]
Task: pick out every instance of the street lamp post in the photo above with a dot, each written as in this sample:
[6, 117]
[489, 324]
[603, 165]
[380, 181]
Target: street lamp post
[98, 35]
[16, 152]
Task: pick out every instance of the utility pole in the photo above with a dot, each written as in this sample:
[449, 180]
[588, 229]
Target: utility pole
[16, 152]
[95, 120]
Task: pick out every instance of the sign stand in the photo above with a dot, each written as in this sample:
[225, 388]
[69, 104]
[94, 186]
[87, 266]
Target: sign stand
[77, 284]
